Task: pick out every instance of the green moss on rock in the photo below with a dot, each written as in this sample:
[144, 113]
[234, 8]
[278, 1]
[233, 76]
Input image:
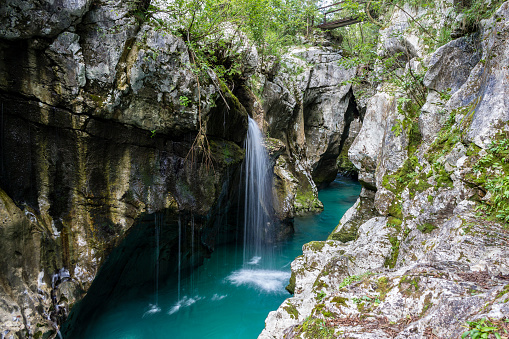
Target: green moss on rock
[426, 227]
[292, 311]
[291, 285]
[306, 200]
[315, 246]
[391, 260]
[226, 152]
[340, 300]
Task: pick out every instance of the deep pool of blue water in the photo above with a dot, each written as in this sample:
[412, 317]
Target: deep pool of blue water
[224, 298]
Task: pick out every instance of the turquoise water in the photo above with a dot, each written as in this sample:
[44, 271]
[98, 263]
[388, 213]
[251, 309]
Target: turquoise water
[224, 298]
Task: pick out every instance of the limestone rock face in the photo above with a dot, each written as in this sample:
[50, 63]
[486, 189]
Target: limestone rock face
[310, 108]
[452, 63]
[485, 91]
[367, 145]
[413, 302]
[21, 19]
[415, 257]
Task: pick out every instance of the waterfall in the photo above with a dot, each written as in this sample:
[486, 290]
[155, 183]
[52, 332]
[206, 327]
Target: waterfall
[258, 196]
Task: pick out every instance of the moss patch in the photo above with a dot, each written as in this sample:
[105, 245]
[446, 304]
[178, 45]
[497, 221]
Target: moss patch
[313, 328]
[315, 246]
[306, 200]
[340, 301]
[409, 286]
[226, 152]
[426, 227]
[292, 311]
[291, 285]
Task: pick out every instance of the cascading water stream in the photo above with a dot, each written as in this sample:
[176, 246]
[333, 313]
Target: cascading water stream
[258, 197]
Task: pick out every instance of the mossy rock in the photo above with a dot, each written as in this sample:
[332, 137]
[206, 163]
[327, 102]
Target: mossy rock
[315, 246]
[226, 152]
[291, 286]
[340, 301]
[227, 120]
[305, 200]
[426, 227]
[292, 311]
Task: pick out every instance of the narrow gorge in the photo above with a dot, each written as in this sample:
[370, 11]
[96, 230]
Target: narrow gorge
[164, 161]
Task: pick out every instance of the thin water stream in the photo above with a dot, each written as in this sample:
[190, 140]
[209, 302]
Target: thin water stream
[226, 297]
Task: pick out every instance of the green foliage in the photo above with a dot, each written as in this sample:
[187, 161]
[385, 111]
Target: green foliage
[321, 295]
[315, 328]
[211, 28]
[492, 172]
[478, 10]
[184, 101]
[375, 300]
[397, 182]
[481, 329]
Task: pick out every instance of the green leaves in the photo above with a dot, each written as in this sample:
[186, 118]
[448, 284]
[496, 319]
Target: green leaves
[184, 101]
[480, 329]
[492, 171]
[321, 295]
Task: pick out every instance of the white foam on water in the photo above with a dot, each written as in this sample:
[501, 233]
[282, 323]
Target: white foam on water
[254, 260]
[152, 309]
[184, 302]
[217, 297]
[266, 280]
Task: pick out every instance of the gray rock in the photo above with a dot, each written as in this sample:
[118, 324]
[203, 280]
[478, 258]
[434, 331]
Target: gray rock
[360, 212]
[483, 98]
[450, 65]
[394, 150]
[448, 259]
[432, 117]
[106, 30]
[366, 147]
[22, 19]
[310, 108]
[65, 51]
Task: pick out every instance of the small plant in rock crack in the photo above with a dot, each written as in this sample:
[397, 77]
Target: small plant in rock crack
[184, 101]
[480, 329]
[321, 295]
[375, 300]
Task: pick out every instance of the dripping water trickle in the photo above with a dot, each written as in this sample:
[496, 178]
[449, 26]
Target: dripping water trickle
[154, 308]
[158, 220]
[192, 250]
[179, 259]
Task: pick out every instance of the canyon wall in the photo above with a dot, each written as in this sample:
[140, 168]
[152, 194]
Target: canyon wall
[424, 249]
